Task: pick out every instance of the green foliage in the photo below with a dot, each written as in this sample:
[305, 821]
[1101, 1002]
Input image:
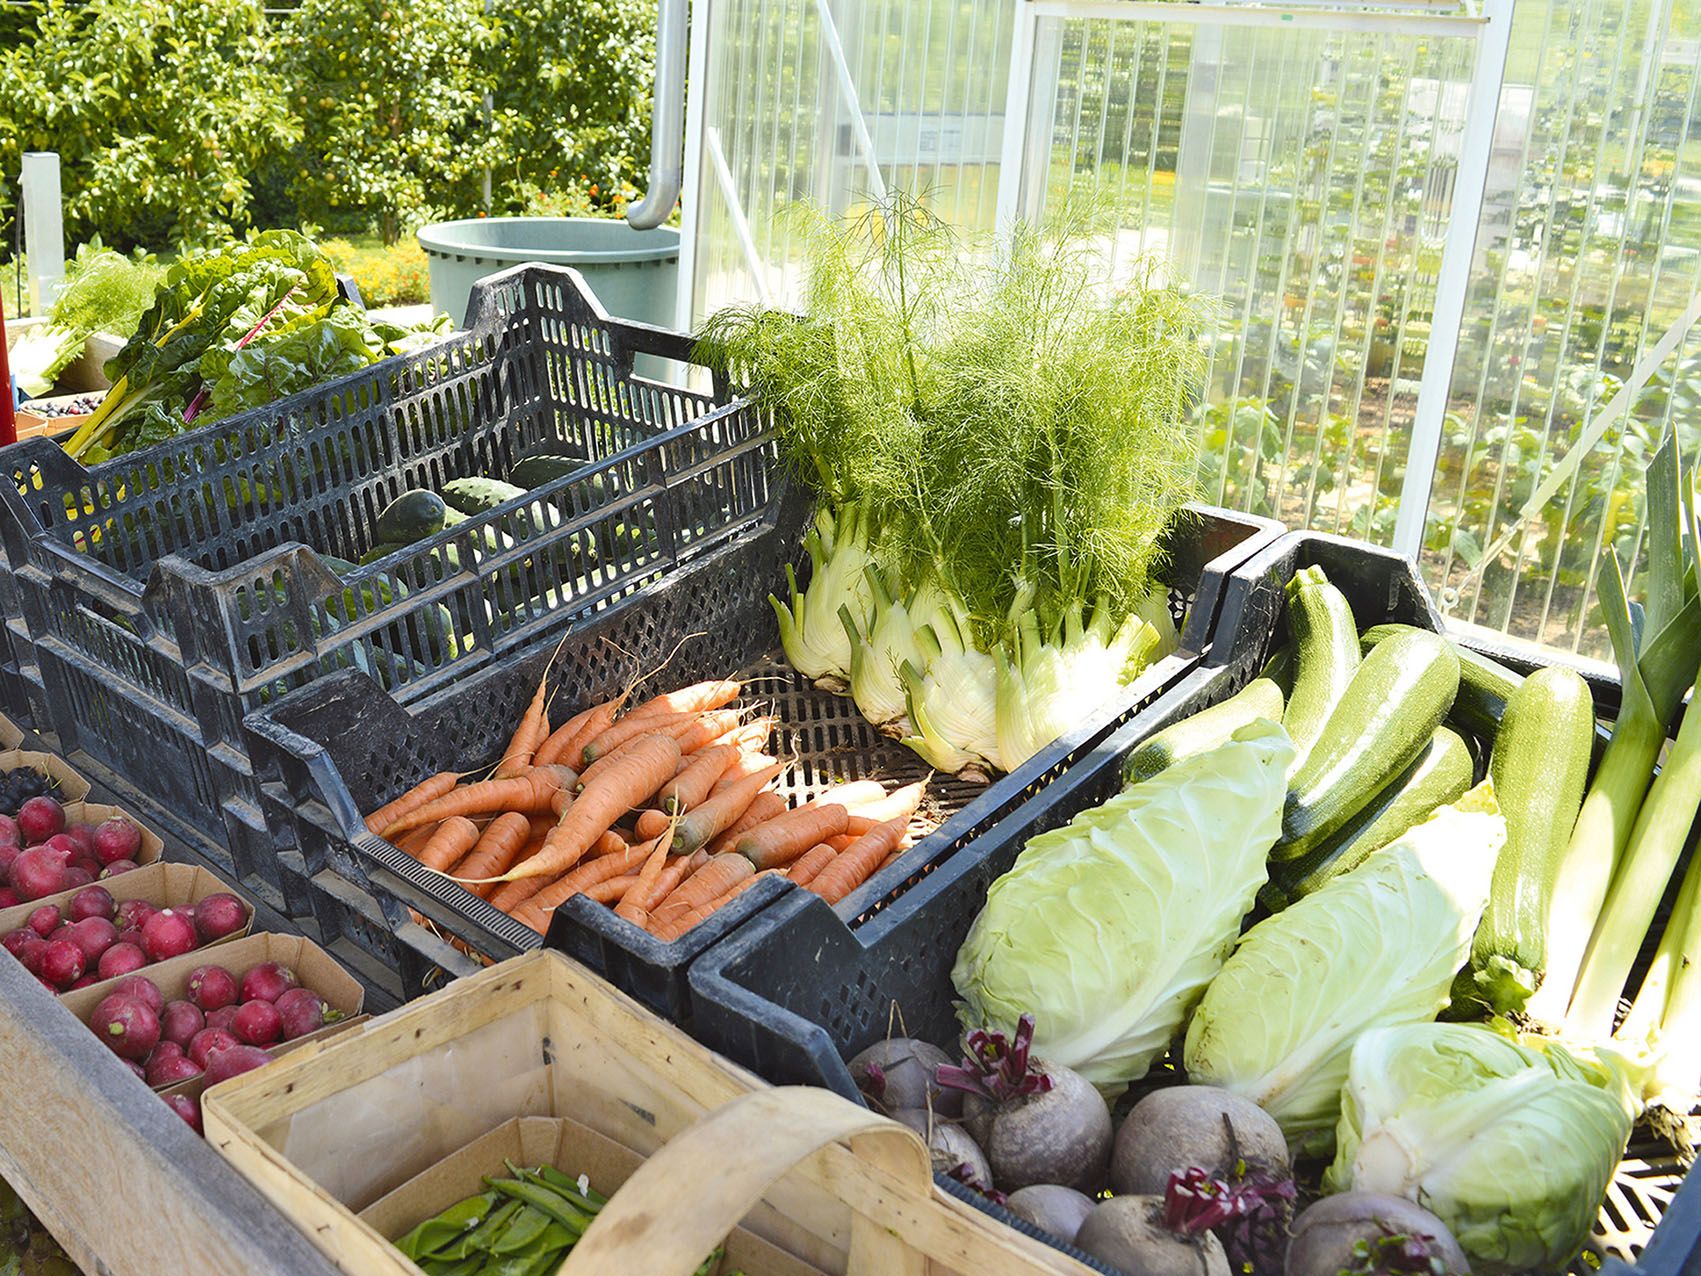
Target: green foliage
[105, 291]
[161, 111]
[387, 275]
[391, 100]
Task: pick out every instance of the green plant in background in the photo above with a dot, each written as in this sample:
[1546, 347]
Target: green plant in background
[161, 111]
[387, 275]
[390, 95]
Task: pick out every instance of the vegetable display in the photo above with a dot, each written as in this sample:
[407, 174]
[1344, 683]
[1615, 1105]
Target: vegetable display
[998, 444]
[103, 291]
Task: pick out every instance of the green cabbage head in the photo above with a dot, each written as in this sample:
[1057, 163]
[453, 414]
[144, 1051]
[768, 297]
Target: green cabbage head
[1511, 1143]
[1107, 929]
[1374, 947]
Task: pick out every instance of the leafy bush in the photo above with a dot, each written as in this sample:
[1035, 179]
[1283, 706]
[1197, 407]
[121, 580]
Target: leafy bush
[390, 94]
[397, 275]
[161, 110]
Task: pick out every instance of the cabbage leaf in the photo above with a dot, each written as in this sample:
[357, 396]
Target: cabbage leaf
[1511, 1143]
[1377, 946]
[1108, 929]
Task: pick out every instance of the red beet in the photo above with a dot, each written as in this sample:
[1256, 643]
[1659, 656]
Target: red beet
[179, 1022]
[143, 990]
[84, 836]
[93, 901]
[9, 834]
[186, 1108]
[129, 1026]
[211, 987]
[301, 1011]
[210, 1041]
[219, 915]
[168, 933]
[118, 866]
[117, 839]
[39, 819]
[13, 941]
[258, 1023]
[172, 1069]
[121, 959]
[46, 919]
[224, 1017]
[63, 963]
[133, 912]
[94, 935]
[267, 982]
[9, 898]
[225, 1064]
[39, 872]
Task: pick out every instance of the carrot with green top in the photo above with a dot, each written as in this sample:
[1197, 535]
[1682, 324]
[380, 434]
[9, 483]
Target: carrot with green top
[554, 748]
[764, 807]
[620, 732]
[783, 838]
[598, 718]
[528, 793]
[691, 786]
[427, 790]
[715, 815]
[855, 864]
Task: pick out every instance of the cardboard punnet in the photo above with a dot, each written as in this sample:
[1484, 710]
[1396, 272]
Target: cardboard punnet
[71, 787]
[11, 734]
[166, 885]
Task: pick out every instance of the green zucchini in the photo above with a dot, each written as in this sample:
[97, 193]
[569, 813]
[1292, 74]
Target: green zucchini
[1325, 643]
[1260, 698]
[1540, 767]
[1442, 774]
[411, 517]
[479, 495]
[1484, 684]
[1386, 717]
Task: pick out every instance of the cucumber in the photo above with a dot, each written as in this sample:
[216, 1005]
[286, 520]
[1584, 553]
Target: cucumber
[411, 517]
[535, 471]
[479, 495]
[1325, 643]
[1484, 684]
[1390, 709]
[1260, 698]
[1540, 768]
[1442, 774]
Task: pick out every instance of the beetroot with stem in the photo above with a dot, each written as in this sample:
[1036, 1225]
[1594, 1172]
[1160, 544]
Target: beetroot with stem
[219, 915]
[117, 839]
[169, 933]
[211, 988]
[209, 1041]
[118, 866]
[1038, 1122]
[901, 1072]
[63, 963]
[1248, 1213]
[179, 1022]
[39, 819]
[46, 919]
[258, 1023]
[94, 935]
[133, 912]
[128, 1026]
[143, 990]
[93, 901]
[186, 1108]
[268, 981]
[300, 1011]
[121, 959]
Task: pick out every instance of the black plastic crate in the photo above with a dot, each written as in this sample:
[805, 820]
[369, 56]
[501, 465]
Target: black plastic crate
[341, 747]
[167, 593]
[797, 991]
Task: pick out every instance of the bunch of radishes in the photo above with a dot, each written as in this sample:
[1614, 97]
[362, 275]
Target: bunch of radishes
[95, 938]
[41, 854]
[219, 1030]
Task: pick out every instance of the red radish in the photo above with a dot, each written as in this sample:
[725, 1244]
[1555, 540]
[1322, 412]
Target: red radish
[127, 1025]
[94, 935]
[84, 836]
[117, 839]
[165, 1050]
[90, 979]
[210, 1041]
[131, 936]
[224, 1017]
[179, 1022]
[141, 1072]
[133, 912]
[40, 818]
[9, 834]
[9, 898]
[267, 982]
[33, 948]
[93, 901]
[8, 853]
[143, 990]
[63, 963]
[172, 1069]
[89, 864]
[121, 959]
[168, 933]
[258, 1023]
[118, 866]
[225, 1064]
[211, 987]
[13, 941]
[186, 1108]
[75, 877]
[46, 919]
[301, 1011]
[63, 842]
[219, 915]
[38, 872]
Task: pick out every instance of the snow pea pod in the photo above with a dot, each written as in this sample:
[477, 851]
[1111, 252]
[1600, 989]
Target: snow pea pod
[435, 1233]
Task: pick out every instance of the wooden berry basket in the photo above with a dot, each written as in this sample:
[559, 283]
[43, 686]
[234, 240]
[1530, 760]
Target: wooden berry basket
[819, 1184]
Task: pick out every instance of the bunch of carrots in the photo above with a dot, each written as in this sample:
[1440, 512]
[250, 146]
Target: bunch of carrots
[663, 812]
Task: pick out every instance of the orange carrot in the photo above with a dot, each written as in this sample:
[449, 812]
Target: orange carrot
[608, 759]
[614, 889]
[532, 731]
[498, 848]
[596, 722]
[674, 927]
[697, 698]
[553, 894]
[856, 864]
[843, 840]
[425, 791]
[652, 823]
[527, 793]
[714, 816]
[605, 800]
[453, 840]
[811, 862]
[510, 897]
[668, 880]
[554, 748]
[416, 838]
[764, 807]
[744, 764]
[691, 786]
[785, 837]
[707, 728]
[631, 906]
[615, 736]
[718, 876]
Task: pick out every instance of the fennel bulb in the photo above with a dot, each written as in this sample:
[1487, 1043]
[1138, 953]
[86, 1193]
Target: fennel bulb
[814, 637]
[952, 702]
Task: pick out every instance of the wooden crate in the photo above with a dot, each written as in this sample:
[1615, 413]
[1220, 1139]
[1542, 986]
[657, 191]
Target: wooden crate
[334, 1129]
